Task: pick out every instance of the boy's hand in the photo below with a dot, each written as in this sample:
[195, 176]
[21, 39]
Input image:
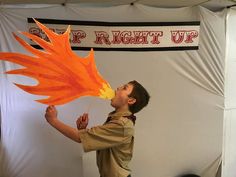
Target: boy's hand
[51, 114]
[82, 121]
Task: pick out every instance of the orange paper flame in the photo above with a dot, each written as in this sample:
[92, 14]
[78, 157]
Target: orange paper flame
[62, 75]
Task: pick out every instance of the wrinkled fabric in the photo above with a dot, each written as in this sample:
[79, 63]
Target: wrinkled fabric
[179, 131]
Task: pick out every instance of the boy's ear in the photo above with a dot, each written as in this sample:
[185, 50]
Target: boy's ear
[131, 101]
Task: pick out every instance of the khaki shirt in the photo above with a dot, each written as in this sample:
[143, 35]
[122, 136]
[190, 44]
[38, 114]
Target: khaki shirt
[113, 142]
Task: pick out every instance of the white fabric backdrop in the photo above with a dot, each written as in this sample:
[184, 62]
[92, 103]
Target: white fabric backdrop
[181, 129]
[229, 154]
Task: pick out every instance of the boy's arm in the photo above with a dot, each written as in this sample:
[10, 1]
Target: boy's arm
[70, 132]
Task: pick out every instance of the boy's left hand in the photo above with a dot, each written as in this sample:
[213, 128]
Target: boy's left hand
[51, 113]
[82, 121]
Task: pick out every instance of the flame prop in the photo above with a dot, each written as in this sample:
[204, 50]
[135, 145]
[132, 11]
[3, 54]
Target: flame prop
[62, 75]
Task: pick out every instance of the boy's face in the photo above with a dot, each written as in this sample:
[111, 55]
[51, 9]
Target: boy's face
[122, 98]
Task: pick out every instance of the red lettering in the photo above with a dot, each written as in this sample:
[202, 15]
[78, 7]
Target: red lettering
[102, 36]
[177, 36]
[77, 35]
[59, 31]
[116, 37]
[140, 37]
[190, 35]
[155, 36]
[125, 37]
[35, 31]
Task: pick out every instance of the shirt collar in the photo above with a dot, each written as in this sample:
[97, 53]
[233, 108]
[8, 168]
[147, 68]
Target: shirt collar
[114, 114]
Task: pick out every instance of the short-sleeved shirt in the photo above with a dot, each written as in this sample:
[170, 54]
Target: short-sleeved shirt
[113, 142]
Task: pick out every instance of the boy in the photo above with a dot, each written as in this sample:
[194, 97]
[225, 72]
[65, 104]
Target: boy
[114, 140]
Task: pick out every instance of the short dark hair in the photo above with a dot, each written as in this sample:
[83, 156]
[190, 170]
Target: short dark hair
[140, 94]
[189, 175]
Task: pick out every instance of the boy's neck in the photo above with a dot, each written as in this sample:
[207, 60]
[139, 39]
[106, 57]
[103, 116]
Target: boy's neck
[122, 109]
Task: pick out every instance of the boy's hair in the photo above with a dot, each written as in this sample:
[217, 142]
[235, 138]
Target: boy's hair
[140, 94]
[189, 175]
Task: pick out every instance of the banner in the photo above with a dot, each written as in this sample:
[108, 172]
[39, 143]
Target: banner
[124, 36]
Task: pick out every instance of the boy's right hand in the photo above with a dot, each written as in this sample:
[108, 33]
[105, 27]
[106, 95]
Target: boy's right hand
[82, 121]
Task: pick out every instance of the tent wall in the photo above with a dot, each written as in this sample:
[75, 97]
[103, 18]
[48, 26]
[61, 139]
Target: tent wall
[229, 154]
[180, 130]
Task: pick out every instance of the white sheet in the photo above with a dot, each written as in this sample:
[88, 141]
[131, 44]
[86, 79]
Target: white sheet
[180, 130]
[229, 154]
